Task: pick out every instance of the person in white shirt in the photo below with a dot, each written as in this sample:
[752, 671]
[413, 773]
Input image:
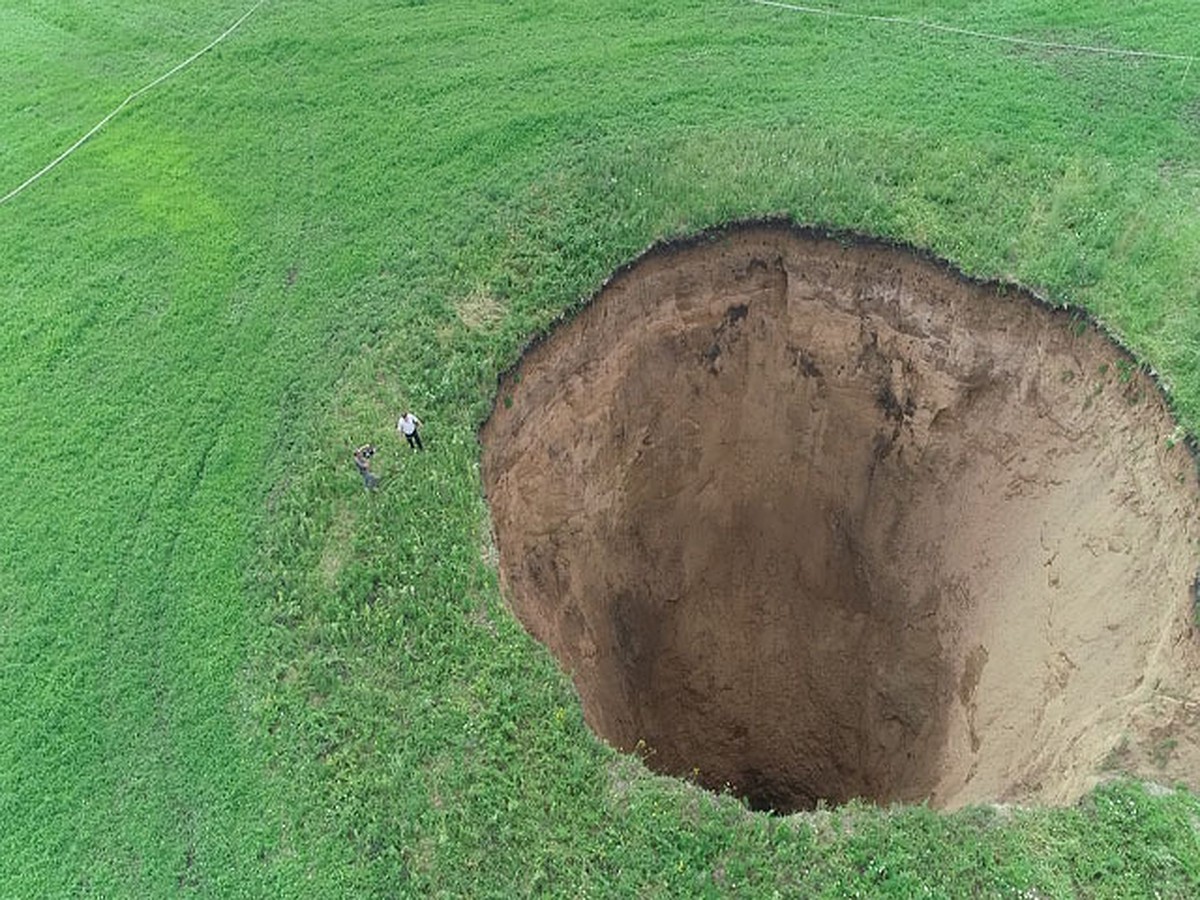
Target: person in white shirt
[408, 426]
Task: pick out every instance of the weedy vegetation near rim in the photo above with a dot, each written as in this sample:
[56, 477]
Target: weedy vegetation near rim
[226, 670]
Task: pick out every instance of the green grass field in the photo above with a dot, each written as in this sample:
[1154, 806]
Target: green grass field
[227, 671]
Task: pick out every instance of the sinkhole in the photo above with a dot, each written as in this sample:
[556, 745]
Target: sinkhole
[810, 518]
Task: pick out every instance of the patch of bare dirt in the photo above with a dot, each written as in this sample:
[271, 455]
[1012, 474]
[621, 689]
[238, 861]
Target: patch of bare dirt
[823, 519]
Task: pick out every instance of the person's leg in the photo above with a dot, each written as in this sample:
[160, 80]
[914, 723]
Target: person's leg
[417, 437]
[409, 438]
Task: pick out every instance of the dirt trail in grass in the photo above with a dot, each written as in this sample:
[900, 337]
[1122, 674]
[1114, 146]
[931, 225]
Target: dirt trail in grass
[818, 519]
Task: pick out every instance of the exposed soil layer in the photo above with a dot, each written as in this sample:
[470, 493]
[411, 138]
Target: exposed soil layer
[815, 519]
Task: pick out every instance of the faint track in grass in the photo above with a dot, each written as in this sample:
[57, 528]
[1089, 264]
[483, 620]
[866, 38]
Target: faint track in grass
[968, 32]
[124, 103]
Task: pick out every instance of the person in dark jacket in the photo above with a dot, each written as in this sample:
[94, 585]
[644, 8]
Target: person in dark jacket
[362, 459]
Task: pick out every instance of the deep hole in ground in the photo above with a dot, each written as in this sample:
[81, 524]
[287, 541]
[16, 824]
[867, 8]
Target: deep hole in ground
[812, 518]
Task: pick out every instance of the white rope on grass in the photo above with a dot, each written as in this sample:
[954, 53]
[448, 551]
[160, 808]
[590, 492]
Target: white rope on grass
[950, 29]
[124, 103]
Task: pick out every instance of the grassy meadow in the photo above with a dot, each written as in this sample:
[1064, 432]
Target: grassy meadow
[225, 669]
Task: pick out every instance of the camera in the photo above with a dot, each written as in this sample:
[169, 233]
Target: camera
[366, 451]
